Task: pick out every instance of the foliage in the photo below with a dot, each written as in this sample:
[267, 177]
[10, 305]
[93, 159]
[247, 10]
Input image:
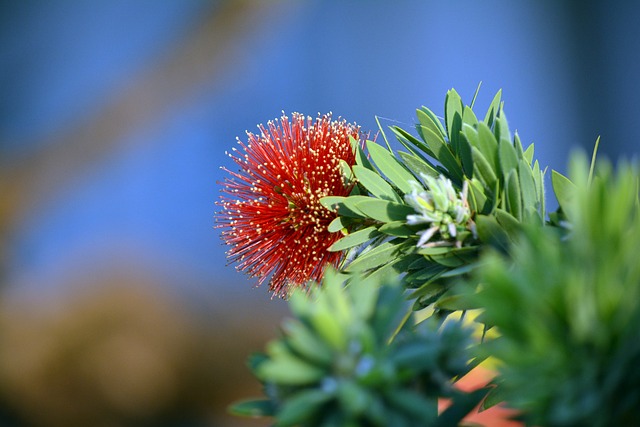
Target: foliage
[351, 357]
[457, 218]
[470, 183]
[567, 308]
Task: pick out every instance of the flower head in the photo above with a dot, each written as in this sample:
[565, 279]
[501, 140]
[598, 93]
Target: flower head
[271, 214]
[440, 206]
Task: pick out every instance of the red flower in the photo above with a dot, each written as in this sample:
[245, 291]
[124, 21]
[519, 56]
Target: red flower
[271, 213]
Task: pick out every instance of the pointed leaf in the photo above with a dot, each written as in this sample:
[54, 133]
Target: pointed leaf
[495, 396]
[385, 211]
[489, 231]
[469, 117]
[253, 408]
[514, 196]
[478, 201]
[482, 170]
[417, 165]
[303, 341]
[390, 167]
[443, 154]
[361, 156]
[302, 406]
[494, 107]
[464, 151]
[501, 128]
[564, 190]
[337, 224]
[530, 204]
[338, 204]
[538, 178]
[429, 119]
[396, 228]
[508, 157]
[376, 257]
[354, 239]
[462, 405]
[529, 153]
[375, 184]
[488, 145]
[453, 107]
[517, 144]
[413, 144]
[289, 370]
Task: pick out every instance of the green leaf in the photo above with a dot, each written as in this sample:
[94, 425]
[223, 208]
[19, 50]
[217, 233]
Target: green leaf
[530, 203]
[508, 157]
[475, 94]
[517, 144]
[361, 157]
[302, 407]
[430, 291]
[418, 407]
[338, 224]
[490, 232]
[501, 128]
[391, 270]
[347, 174]
[327, 325]
[514, 196]
[469, 117]
[354, 239]
[528, 154]
[376, 257]
[464, 151]
[428, 119]
[495, 397]
[488, 144]
[354, 399]
[338, 204]
[454, 259]
[253, 408]
[494, 107]
[538, 178]
[384, 211]
[376, 184]
[396, 228]
[462, 405]
[455, 303]
[443, 154]
[305, 343]
[390, 167]
[564, 190]
[417, 165]
[508, 223]
[408, 140]
[289, 370]
[482, 170]
[453, 107]
[478, 201]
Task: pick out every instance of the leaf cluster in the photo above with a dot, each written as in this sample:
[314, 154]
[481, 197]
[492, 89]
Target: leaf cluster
[353, 357]
[561, 291]
[566, 309]
[499, 181]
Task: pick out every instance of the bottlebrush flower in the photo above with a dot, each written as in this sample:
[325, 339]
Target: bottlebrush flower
[271, 214]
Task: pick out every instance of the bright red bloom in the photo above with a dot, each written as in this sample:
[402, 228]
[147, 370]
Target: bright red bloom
[271, 212]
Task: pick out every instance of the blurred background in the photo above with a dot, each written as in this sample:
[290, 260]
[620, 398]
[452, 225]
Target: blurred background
[117, 307]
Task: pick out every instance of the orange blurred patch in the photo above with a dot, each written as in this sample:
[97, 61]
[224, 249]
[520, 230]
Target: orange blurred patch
[496, 416]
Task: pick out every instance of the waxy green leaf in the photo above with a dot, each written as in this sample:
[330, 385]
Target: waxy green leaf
[390, 167]
[376, 184]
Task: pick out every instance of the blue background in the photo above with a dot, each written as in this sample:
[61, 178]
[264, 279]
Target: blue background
[146, 201]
